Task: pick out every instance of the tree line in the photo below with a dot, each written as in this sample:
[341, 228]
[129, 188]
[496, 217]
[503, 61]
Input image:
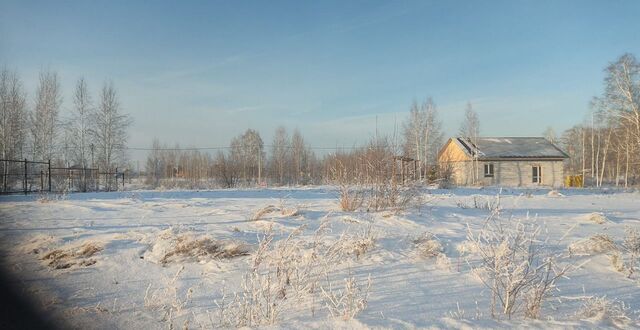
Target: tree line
[289, 160]
[605, 148]
[92, 134]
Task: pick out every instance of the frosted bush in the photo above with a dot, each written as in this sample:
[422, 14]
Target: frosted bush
[599, 243]
[428, 245]
[601, 309]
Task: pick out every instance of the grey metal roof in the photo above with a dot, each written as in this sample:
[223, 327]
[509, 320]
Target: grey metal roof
[511, 147]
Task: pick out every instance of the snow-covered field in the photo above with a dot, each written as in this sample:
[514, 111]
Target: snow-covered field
[149, 259]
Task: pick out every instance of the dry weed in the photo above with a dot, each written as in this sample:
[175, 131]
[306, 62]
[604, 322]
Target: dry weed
[72, 256]
[604, 310]
[351, 198]
[599, 243]
[428, 245]
[280, 211]
[516, 266]
[349, 301]
[171, 246]
[597, 217]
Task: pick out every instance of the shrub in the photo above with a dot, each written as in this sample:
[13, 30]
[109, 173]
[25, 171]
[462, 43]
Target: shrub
[515, 266]
[603, 309]
[351, 198]
[349, 301]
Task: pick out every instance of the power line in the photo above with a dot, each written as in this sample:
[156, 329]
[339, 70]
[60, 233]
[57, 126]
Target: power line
[223, 148]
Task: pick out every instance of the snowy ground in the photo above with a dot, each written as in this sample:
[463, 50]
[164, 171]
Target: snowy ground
[116, 273]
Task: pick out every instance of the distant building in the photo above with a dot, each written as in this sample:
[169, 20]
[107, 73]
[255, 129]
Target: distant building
[503, 161]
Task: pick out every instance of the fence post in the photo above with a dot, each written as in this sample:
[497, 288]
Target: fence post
[41, 180]
[24, 184]
[5, 171]
[122, 181]
[49, 163]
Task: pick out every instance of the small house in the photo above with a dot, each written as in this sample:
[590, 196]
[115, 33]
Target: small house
[502, 161]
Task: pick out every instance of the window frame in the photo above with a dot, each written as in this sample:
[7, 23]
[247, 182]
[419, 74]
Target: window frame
[537, 177]
[491, 172]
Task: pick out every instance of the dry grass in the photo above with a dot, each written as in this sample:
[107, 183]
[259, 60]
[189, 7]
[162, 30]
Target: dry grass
[428, 245]
[275, 211]
[601, 309]
[599, 243]
[351, 198]
[204, 247]
[357, 244]
[554, 193]
[597, 217]
[289, 273]
[481, 203]
[617, 262]
[170, 246]
[72, 256]
[348, 302]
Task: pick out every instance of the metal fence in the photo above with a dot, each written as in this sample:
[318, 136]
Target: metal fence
[25, 176]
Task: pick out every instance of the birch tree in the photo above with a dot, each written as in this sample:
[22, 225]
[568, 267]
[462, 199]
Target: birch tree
[44, 119]
[13, 120]
[13, 115]
[80, 124]
[248, 152]
[622, 91]
[279, 154]
[423, 134]
[432, 132]
[550, 134]
[470, 130]
[299, 157]
[414, 132]
[110, 131]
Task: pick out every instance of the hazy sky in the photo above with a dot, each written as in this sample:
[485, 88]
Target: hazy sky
[199, 73]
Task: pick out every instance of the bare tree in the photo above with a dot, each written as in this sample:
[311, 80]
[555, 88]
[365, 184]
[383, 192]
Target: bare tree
[470, 130]
[423, 134]
[433, 134]
[13, 122]
[248, 152]
[622, 91]
[153, 166]
[226, 170]
[279, 155]
[44, 119]
[414, 132]
[550, 134]
[80, 124]
[299, 157]
[110, 131]
[13, 116]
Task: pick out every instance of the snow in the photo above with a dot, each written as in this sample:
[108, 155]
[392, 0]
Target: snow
[419, 264]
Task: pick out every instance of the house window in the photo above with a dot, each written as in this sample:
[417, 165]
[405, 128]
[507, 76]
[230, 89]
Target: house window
[536, 174]
[488, 170]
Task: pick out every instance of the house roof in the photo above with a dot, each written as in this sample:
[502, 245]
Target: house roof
[511, 147]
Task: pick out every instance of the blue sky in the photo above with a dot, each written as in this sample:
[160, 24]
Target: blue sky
[199, 73]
